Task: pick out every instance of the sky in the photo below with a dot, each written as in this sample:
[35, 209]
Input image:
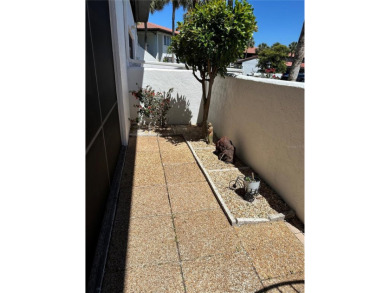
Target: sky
[277, 20]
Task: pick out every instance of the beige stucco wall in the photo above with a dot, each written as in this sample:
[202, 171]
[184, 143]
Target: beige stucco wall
[265, 121]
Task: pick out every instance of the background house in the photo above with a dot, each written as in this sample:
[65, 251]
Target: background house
[158, 40]
[249, 64]
[290, 61]
[249, 52]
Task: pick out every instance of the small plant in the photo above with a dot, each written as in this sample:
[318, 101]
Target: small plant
[153, 105]
[250, 179]
[167, 59]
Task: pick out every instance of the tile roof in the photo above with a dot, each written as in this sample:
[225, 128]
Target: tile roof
[289, 63]
[153, 26]
[246, 59]
[250, 50]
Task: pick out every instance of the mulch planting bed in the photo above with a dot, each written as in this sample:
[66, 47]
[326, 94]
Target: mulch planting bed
[210, 160]
[268, 202]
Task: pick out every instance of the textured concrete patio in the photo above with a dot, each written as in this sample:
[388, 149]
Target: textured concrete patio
[170, 234]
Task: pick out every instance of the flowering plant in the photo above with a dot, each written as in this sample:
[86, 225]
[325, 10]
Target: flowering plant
[153, 105]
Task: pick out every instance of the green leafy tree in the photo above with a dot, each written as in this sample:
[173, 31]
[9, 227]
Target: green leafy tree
[158, 5]
[273, 57]
[155, 5]
[212, 36]
[299, 55]
[250, 44]
[185, 4]
[293, 47]
[261, 47]
[175, 5]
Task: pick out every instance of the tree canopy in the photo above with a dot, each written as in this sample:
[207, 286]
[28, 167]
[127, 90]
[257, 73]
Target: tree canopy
[273, 57]
[293, 47]
[213, 35]
[261, 47]
[251, 43]
[158, 5]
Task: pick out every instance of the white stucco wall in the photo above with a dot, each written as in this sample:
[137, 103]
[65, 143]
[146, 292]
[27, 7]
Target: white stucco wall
[122, 25]
[187, 94]
[143, 55]
[152, 42]
[249, 67]
[265, 121]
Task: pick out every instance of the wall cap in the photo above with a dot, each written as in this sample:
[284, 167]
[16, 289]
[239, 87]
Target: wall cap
[271, 81]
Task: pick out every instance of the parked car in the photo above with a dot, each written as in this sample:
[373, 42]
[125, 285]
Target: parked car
[301, 76]
[285, 76]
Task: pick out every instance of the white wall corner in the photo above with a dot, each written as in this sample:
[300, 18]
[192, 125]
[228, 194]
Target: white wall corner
[118, 35]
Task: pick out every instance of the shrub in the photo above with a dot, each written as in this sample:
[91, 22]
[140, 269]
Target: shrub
[153, 105]
[274, 57]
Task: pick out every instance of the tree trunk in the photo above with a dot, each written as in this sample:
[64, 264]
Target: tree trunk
[204, 97]
[230, 3]
[173, 24]
[146, 36]
[206, 107]
[298, 56]
[173, 19]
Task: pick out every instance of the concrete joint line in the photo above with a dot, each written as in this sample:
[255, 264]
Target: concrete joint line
[143, 134]
[173, 222]
[226, 210]
[228, 169]
[244, 221]
[277, 217]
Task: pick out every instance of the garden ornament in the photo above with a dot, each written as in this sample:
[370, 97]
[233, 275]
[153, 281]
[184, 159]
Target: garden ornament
[251, 186]
[225, 150]
[210, 133]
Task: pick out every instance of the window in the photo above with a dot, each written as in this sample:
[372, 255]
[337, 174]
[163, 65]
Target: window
[167, 40]
[131, 47]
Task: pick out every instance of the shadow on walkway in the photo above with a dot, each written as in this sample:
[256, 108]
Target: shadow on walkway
[279, 286]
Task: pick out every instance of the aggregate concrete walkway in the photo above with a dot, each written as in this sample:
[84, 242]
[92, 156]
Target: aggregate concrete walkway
[170, 234]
